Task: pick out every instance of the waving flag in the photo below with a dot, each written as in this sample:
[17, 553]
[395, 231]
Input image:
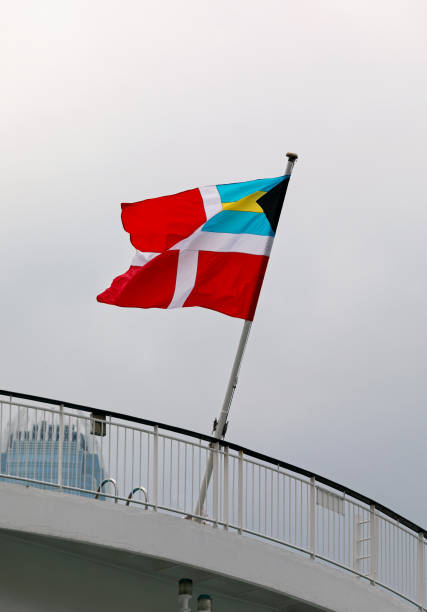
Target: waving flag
[206, 247]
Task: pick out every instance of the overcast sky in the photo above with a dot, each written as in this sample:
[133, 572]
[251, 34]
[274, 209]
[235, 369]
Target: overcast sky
[105, 102]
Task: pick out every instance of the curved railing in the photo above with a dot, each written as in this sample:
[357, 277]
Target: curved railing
[59, 445]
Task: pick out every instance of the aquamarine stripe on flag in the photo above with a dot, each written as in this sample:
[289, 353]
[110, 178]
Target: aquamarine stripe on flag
[239, 222]
[236, 191]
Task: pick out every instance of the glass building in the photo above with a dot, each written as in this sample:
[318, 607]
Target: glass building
[33, 452]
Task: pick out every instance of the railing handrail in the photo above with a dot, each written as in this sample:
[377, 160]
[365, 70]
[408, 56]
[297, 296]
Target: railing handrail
[231, 445]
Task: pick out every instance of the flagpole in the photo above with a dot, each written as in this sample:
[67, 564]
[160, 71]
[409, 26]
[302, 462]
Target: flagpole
[220, 424]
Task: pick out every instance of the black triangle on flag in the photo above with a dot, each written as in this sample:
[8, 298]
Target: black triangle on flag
[272, 202]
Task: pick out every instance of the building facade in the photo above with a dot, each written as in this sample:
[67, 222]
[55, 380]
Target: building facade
[32, 452]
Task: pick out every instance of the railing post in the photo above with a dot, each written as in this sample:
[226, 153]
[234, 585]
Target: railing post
[421, 569]
[60, 445]
[215, 451]
[356, 538]
[240, 493]
[156, 467]
[226, 486]
[312, 517]
[373, 545]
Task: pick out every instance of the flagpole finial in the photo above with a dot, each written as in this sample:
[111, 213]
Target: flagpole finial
[292, 156]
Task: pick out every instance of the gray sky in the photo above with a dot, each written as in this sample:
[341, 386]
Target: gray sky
[105, 102]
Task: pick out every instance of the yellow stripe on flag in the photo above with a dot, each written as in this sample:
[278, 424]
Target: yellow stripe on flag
[247, 204]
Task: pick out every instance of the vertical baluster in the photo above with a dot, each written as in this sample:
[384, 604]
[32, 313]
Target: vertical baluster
[226, 485]
[68, 440]
[132, 485]
[301, 543]
[290, 507]
[61, 444]
[312, 517]
[9, 441]
[117, 456]
[295, 512]
[253, 498]
[185, 476]
[373, 543]
[284, 508]
[193, 472]
[259, 498]
[339, 558]
[110, 435]
[156, 467]
[163, 470]
[27, 442]
[278, 503]
[240, 493]
[215, 449]
[178, 475]
[264, 471]
[421, 570]
[140, 464]
[271, 502]
[170, 472]
[335, 509]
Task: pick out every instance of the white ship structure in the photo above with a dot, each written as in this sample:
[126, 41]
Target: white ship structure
[98, 512]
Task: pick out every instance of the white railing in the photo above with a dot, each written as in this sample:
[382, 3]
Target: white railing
[113, 457]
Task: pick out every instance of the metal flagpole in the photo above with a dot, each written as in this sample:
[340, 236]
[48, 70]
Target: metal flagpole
[220, 424]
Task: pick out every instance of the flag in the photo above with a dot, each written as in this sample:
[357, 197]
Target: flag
[205, 247]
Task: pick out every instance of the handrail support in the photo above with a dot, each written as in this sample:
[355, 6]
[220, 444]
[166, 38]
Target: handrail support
[104, 482]
[131, 494]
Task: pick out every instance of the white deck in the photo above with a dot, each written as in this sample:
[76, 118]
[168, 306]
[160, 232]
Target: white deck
[62, 552]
